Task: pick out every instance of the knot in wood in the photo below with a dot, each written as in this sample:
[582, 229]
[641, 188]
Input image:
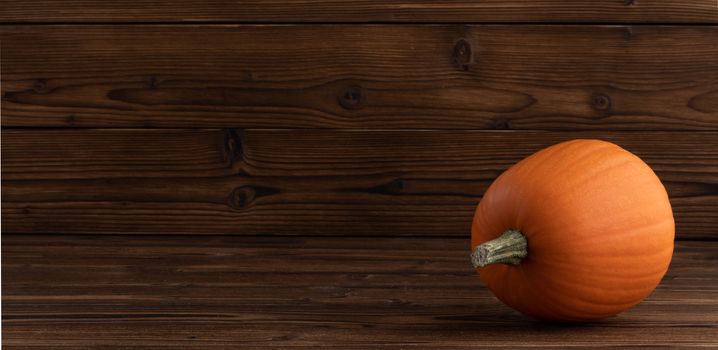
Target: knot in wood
[351, 97]
[241, 197]
[40, 86]
[232, 149]
[600, 102]
[462, 54]
[499, 124]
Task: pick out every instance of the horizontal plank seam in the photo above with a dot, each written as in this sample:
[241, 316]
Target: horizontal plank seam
[349, 130]
[207, 235]
[311, 23]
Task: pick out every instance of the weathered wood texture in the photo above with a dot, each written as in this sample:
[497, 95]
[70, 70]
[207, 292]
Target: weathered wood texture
[219, 292]
[362, 76]
[666, 11]
[294, 182]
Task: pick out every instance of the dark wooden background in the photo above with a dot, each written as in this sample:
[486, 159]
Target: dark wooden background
[292, 173]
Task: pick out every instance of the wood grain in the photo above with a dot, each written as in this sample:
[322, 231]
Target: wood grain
[321, 182]
[667, 11]
[219, 292]
[361, 76]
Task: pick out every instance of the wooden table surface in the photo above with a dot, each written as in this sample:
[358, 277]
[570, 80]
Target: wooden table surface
[216, 292]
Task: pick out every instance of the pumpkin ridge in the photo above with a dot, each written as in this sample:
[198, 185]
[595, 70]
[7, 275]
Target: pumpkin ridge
[555, 302]
[638, 233]
[576, 297]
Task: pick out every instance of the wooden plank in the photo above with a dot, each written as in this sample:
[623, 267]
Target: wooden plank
[116, 153]
[676, 11]
[361, 76]
[290, 182]
[219, 292]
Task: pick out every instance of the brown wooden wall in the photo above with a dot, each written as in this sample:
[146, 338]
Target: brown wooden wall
[271, 117]
[360, 11]
[213, 174]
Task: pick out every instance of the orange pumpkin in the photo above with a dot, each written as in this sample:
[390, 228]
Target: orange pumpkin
[578, 231]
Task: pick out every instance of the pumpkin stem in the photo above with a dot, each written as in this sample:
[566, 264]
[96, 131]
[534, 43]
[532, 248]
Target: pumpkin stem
[509, 248]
